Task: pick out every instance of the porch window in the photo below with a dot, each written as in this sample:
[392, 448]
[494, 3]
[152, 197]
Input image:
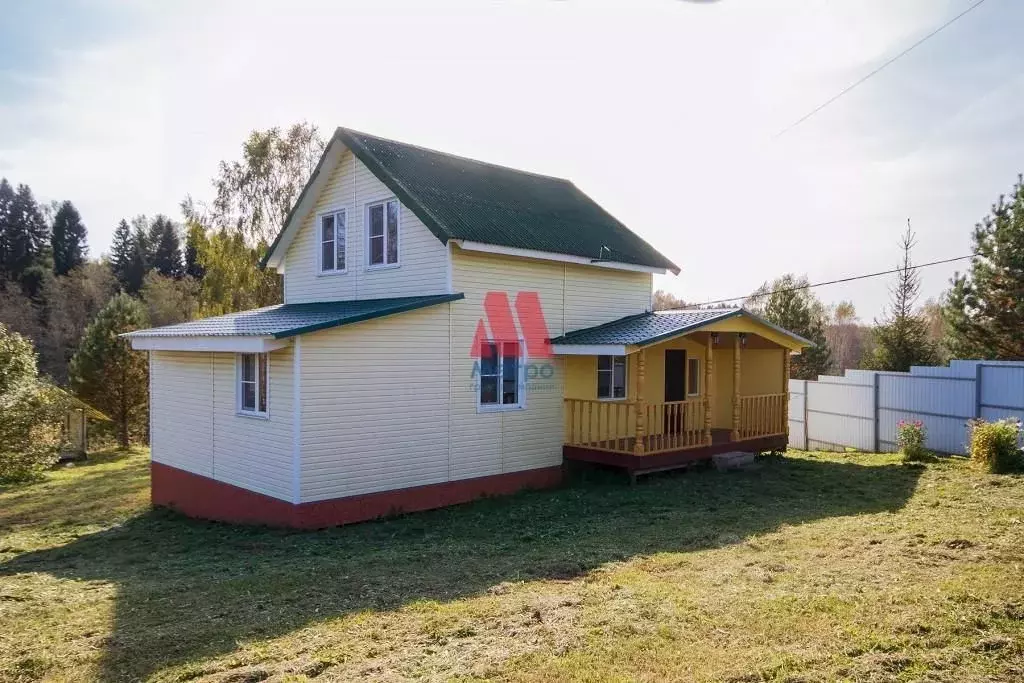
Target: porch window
[501, 375]
[332, 242]
[611, 377]
[253, 383]
[382, 233]
[693, 377]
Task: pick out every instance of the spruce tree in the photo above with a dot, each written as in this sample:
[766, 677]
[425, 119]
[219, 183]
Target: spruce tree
[6, 201]
[902, 339]
[28, 242]
[121, 252]
[167, 248]
[984, 309]
[68, 239]
[108, 374]
[140, 256]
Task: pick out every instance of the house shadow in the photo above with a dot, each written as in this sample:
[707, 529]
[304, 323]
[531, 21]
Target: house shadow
[189, 589]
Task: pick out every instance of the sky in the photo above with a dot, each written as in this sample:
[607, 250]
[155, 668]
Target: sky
[667, 112]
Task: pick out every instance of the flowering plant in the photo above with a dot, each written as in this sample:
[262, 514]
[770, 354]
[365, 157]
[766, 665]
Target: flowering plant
[910, 436]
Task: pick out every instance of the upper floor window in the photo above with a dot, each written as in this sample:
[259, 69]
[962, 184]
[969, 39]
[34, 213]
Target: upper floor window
[382, 233]
[253, 383]
[332, 242]
[611, 377]
[501, 375]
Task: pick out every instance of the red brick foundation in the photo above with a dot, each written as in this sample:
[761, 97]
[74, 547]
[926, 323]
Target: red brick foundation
[198, 496]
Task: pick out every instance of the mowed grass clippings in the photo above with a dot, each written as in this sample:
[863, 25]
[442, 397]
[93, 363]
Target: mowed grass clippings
[811, 567]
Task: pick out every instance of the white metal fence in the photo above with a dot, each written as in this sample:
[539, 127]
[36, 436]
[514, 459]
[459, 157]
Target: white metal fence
[862, 409]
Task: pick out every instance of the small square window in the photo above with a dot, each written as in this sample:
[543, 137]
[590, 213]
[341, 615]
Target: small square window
[611, 377]
[501, 375]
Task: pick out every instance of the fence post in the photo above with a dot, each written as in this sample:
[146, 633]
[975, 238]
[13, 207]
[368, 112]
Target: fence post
[877, 429]
[977, 390]
[807, 427]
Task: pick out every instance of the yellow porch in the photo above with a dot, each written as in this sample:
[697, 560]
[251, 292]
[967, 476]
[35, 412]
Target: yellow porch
[708, 381]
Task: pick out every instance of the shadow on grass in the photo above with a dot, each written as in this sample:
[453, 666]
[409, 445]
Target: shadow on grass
[189, 589]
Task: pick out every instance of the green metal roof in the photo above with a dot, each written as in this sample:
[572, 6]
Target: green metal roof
[288, 320]
[650, 328]
[463, 199]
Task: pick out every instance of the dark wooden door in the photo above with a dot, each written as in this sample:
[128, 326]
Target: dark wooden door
[675, 387]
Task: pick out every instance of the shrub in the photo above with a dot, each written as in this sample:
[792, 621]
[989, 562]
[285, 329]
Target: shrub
[994, 445]
[910, 436]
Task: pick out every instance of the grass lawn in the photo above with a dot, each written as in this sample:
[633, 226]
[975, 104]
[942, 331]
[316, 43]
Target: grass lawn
[812, 567]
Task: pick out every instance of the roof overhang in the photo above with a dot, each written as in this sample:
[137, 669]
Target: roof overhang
[590, 349]
[219, 343]
[552, 256]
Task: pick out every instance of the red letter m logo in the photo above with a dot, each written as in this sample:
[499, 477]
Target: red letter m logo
[499, 318]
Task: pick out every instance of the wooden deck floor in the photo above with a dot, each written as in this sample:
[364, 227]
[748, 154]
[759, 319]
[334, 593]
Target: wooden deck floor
[639, 464]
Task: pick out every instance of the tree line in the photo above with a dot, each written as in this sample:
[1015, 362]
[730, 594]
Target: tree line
[980, 316]
[65, 309]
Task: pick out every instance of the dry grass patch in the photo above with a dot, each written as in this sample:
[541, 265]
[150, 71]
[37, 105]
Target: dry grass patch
[813, 567]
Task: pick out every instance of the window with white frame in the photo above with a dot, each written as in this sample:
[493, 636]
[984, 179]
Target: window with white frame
[611, 377]
[382, 233]
[501, 375]
[332, 242]
[692, 376]
[253, 384]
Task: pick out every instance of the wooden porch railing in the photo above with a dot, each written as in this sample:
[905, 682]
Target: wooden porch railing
[763, 415]
[611, 425]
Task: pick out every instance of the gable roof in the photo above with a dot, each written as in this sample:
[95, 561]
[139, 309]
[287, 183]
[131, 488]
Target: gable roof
[645, 329]
[287, 320]
[464, 199]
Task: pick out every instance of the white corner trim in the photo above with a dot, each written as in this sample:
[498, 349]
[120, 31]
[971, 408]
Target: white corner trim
[297, 421]
[589, 349]
[448, 266]
[219, 344]
[552, 256]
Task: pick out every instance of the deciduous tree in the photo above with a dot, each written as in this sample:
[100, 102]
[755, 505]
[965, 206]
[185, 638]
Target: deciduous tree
[71, 303]
[107, 373]
[789, 303]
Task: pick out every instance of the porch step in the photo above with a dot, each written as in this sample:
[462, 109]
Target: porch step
[733, 460]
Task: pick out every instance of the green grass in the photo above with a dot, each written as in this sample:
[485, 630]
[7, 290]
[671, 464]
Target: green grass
[812, 567]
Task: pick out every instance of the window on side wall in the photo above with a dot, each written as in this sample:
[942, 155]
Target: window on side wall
[611, 377]
[382, 233]
[501, 376]
[332, 242]
[253, 384]
[693, 376]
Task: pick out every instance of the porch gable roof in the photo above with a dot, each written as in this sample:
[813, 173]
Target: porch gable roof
[644, 329]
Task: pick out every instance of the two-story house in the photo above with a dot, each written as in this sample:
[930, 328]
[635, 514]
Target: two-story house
[450, 329]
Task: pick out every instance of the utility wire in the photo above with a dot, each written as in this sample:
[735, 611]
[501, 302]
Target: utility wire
[887, 63]
[834, 282]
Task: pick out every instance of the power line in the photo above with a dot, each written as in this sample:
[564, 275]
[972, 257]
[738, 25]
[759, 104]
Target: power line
[834, 282]
[887, 63]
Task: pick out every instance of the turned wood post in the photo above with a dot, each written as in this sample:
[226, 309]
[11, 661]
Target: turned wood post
[785, 392]
[641, 407]
[708, 365]
[736, 387]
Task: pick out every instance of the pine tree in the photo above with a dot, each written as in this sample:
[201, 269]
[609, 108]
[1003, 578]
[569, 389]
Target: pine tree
[195, 238]
[167, 248]
[121, 252]
[6, 200]
[984, 309]
[29, 258]
[108, 374]
[788, 303]
[68, 239]
[902, 339]
[140, 256]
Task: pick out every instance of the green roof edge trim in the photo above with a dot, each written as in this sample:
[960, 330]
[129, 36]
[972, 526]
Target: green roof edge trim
[412, 306]
[690, 328]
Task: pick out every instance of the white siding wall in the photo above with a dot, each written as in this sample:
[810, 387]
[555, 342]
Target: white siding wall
[351, 186]
[196, 428]
[375, 405]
